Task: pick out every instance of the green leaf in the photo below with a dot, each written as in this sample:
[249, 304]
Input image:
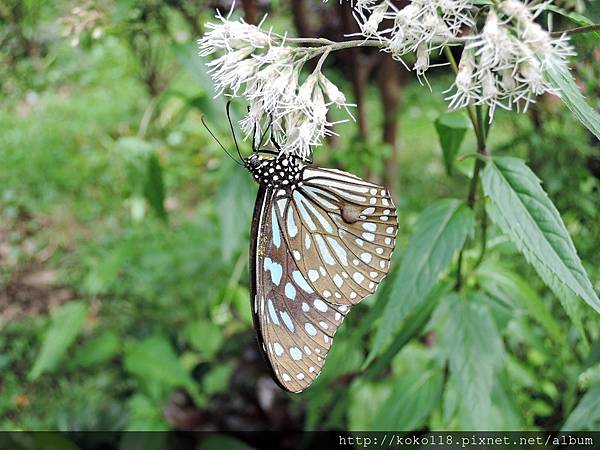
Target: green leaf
[414, 396]
[104, 272]
[66, 324]
[366, 399]
[145, 415]
[451, 128]
[411, 327]
[154, 187]
[441, 230]
[217, 380]
[475, 351]
[498, 281]
[153, 360]
[586, 415]
[235, 201]
[98, 350]
[593, 356]
[521, 208]
[559, 76]
[205, 337]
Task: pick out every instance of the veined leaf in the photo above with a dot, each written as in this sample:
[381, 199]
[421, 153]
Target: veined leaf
[586, 415]
[411, 327]
[412, 399]
[451, 128]
[559, 76]
[441, 230]
[522, 209]
[475, 351]
[66, 324]
[366, 399]
[593, 356]
[498, 280]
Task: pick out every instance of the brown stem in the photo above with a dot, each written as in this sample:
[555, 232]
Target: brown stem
[390, 85]
[359, 72]
[300, 16]
[250, 11]
[577, 30]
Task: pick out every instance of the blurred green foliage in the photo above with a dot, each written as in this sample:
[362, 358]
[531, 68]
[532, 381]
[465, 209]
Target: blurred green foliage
[123, 248]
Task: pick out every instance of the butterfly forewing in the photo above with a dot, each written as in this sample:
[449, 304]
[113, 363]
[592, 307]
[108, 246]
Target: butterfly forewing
[295, 324]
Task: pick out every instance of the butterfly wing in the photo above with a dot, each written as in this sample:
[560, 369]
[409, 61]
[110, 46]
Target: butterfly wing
[295, 324]
[341, 231]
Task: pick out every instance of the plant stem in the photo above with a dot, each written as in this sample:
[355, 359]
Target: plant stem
[483, 224]
[477, 116]
[584, 29]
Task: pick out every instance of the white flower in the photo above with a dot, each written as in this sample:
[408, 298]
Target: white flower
[370, 25]
[332, 92]
[421, 26]
[259, 67]
[509, 60]
[231, 35]
[465, 84]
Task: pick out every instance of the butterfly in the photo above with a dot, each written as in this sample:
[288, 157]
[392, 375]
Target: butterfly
[321, 242]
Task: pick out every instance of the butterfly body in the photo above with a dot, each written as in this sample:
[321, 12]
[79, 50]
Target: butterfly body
[322, 240]
[275, 172]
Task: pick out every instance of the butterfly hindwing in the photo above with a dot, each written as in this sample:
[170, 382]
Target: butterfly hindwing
[341, 230]
[295, 324]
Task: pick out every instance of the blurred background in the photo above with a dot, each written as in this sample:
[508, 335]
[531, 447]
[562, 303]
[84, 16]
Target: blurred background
[124, 231]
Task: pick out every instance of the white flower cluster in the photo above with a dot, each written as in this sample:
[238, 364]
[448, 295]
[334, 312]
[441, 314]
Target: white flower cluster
[258, 66]
[420, 27]
[504, 65]
[501, 66]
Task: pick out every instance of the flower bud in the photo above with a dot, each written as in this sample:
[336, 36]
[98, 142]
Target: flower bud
[331, 91]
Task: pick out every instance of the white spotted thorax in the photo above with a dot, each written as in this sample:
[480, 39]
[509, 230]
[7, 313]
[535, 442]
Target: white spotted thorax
[281, 171]
[322, 240]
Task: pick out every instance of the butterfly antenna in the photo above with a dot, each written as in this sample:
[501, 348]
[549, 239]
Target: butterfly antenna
[232, 130]
[219, 142]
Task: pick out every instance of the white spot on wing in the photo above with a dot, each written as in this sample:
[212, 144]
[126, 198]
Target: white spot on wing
[310, 329]
[300, 281]
[327, 257]
[369, 236]
[295, 353]
[272, 312]
[287, 320]
[278, 348]
[275, 229]
[320, 305]
[290, 291]
[358, 277]
[291, 224]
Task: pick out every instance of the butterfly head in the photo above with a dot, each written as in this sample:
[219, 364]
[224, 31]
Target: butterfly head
[281, 171]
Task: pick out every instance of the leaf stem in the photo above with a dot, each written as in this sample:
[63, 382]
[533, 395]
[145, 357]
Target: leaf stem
[480, 128]
[577, 30]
